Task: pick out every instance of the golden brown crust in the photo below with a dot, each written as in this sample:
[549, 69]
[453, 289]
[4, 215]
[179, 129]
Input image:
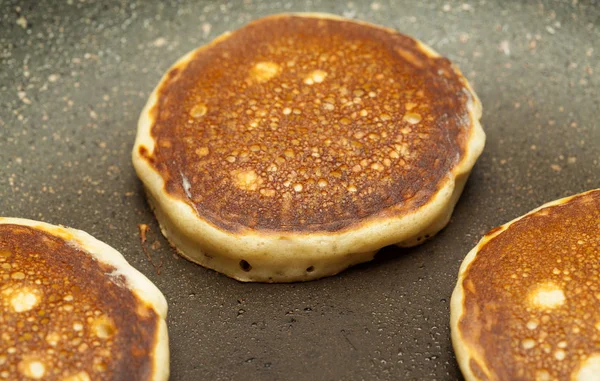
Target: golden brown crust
[67, 314]
[308, 124]
[527, 302]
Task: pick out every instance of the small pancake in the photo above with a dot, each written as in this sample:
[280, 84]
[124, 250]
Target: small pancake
[301, 144]
[527, 302]
[73, 309]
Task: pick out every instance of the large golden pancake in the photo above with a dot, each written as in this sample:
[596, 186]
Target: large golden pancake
[527, 302]
[73, 309]
[301, 144]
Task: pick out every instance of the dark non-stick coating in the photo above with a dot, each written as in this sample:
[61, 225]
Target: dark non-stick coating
[74, 76]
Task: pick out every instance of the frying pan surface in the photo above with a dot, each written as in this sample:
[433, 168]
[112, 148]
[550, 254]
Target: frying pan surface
[75, 75]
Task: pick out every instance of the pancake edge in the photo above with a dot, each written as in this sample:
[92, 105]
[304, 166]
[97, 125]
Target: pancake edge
[136, 282]
[270, 253]
[463, 351]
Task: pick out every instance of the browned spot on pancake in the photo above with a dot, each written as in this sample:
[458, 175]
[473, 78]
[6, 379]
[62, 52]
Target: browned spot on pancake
[493, 231]
[143, 151]
[534, 304]
[309, 124]
[64, 317]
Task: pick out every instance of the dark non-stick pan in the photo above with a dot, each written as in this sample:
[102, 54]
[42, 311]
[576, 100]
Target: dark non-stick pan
[74, 76]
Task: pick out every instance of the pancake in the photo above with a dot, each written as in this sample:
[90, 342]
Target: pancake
[301, 144]
[73, 309]
[527, 302]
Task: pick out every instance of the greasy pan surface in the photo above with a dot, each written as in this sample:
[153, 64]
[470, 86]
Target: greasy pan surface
[74, 77]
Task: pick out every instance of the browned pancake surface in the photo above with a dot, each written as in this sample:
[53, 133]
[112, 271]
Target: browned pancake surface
[63, 316]
[532, 295]
[302, 124]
